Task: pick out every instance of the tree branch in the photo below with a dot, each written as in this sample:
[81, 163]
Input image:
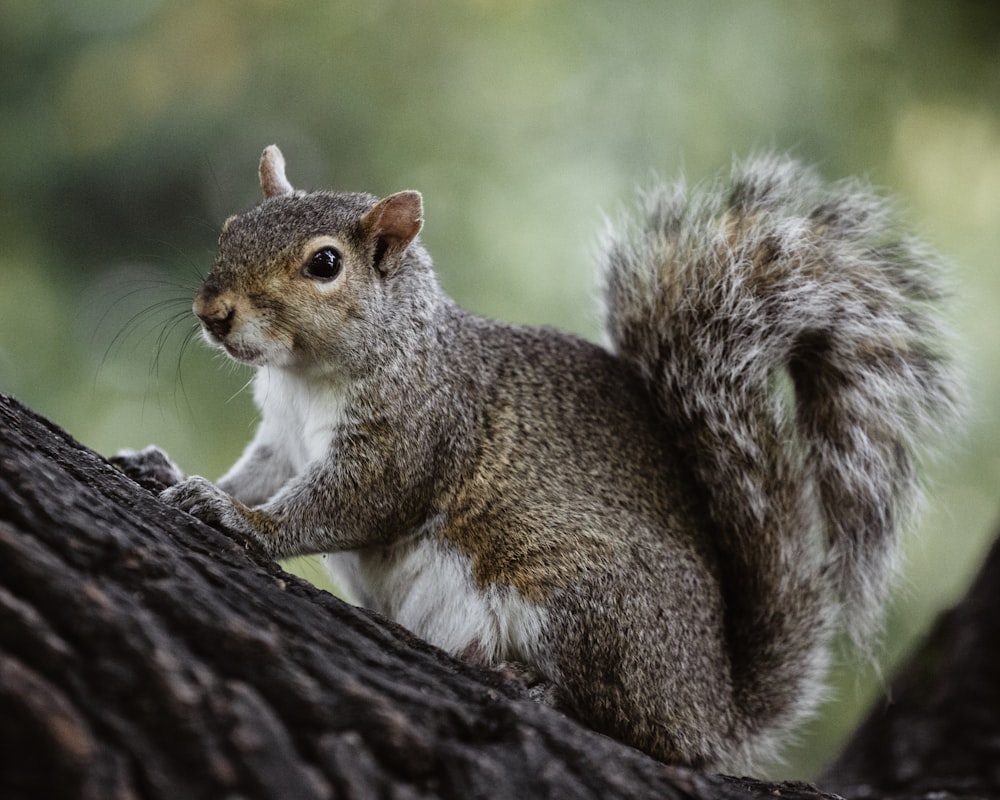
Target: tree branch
[145, 654]
[941, 731]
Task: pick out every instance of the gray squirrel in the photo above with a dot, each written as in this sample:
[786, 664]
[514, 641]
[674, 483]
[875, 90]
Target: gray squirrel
[660, 536]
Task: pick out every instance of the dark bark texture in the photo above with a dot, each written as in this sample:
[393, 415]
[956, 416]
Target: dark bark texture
[941, 733]
[144, 654]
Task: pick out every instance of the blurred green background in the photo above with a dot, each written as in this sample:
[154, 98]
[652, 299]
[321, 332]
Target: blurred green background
[129, 129]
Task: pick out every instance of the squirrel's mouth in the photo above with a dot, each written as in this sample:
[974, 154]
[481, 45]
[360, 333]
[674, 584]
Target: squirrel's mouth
[240, 352]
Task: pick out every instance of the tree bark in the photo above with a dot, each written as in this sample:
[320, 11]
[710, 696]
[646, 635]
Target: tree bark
[941, 732]
[145, 654]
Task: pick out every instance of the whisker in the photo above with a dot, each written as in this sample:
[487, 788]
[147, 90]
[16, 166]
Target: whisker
[179, 381]
[145, 286]
[148, 327]
[240, 391]
[132, 324]
[163, 337]
[143, 321]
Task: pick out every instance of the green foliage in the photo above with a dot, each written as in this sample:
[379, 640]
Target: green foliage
[131, 129]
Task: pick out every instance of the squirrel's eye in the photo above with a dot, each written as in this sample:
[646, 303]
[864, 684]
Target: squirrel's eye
[325, 265]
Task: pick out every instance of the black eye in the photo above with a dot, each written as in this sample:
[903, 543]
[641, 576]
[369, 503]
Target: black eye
[325, 265]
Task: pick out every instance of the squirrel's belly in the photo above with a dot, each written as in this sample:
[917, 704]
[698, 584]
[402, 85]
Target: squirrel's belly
[427, 586]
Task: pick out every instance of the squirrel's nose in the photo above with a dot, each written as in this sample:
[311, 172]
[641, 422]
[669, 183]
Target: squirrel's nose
[215, 314]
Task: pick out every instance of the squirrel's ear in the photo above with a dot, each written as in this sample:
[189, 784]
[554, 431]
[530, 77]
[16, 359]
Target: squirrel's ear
[272, 173]
[396, 219]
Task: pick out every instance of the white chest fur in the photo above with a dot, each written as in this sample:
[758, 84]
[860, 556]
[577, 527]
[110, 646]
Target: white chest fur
[298, 422]
[299, 417]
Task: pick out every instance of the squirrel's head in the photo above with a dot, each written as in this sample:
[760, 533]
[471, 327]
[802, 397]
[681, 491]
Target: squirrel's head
[313, 280]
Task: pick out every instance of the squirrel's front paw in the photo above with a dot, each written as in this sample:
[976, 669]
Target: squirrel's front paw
[149, 467]
[203, 499]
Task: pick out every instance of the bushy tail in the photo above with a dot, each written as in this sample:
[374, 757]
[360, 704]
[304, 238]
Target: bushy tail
[789, 333]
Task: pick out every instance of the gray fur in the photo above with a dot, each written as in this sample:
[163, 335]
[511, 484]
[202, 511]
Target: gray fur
[683, 519]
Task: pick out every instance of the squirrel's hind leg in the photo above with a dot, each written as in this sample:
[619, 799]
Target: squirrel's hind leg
[539, 687]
